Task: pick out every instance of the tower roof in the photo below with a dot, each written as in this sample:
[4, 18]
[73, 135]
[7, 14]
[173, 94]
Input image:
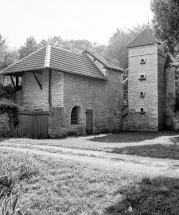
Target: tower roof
[145, 38]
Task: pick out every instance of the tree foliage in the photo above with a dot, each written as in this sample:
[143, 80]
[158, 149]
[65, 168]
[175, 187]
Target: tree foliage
[166, 24]
[74, 45]
[29, 47]
[7, 55]
[117, 48]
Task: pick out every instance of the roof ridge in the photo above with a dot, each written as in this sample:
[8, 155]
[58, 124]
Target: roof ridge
[56, 47]
[22, 59]
[47, 56]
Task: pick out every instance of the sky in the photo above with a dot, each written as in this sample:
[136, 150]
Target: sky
[93, 20]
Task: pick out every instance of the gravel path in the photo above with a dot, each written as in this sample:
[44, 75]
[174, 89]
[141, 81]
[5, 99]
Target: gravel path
[134, 164]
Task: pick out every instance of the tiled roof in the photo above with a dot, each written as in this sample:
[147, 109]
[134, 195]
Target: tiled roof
[33, 61]
[56, 58]
[104, 61]
[145, 38]
[74, 63]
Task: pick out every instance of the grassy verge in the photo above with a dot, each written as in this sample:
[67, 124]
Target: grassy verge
[153, 151]
[56, 186]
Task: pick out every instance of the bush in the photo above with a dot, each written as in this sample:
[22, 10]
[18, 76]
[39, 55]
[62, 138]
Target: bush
[7, 106]
[7, 91]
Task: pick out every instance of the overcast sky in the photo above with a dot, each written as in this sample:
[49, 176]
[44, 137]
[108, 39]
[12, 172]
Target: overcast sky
[94, 20]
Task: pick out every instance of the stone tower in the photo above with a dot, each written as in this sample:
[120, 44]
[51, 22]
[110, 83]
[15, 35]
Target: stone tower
[146, 86]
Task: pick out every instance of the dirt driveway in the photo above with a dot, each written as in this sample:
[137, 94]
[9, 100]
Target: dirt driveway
[96, 150]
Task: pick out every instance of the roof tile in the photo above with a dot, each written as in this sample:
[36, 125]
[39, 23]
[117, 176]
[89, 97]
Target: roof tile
[104, 61]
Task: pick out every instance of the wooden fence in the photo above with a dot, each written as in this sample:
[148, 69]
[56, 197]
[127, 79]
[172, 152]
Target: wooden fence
[33, 124]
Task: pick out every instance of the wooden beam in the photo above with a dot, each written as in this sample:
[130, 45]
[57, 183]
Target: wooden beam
[17, 82]
[12, 81]
[49, 95]
[38, 82]
[36, 71]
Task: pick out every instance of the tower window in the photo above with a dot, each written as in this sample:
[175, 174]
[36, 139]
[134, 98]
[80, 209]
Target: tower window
[142, 94]
[142, 76]
[142, 61]
[142, 110]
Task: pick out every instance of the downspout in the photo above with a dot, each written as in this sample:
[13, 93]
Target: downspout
[47, 65]
[50, 90]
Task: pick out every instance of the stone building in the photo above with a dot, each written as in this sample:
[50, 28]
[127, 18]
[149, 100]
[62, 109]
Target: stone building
[151, 87]
[82, 92]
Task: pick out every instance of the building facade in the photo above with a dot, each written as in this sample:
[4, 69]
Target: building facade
[82, 92]
[151, 87]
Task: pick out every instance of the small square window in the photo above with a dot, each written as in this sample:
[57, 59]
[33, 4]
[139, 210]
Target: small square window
[142, 61]
[142, 111]
[142, 76]
[142, 94]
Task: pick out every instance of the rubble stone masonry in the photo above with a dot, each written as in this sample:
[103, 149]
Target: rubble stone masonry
[153, 86]
[103, 97]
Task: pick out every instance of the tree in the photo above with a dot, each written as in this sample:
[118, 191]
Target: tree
[73, 45]
[7, 55]
[117, 47]
[55, 41]
[166, 24]
[29, 47]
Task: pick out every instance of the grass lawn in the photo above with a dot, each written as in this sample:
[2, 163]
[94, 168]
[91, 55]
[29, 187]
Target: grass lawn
[158, 196]
[57, 186]
[154, 151]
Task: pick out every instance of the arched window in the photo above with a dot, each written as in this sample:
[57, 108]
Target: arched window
[74, 116]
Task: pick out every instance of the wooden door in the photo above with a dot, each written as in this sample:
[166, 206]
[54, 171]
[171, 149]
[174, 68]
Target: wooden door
[33, 124]
[89, 121]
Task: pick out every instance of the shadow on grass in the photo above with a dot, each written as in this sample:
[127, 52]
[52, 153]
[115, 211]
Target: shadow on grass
[127, 137]
[175, 140]
[2, 139]
[150, 197]
[154, 151]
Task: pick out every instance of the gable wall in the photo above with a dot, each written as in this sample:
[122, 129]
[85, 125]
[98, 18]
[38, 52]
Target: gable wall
[88, 93]
[35, 98]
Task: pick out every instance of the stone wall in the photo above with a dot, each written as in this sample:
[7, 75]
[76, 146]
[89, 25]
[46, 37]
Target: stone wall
[103, 97]
[33, 96]
[58, 126]
[57, 81]
[147, 121]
